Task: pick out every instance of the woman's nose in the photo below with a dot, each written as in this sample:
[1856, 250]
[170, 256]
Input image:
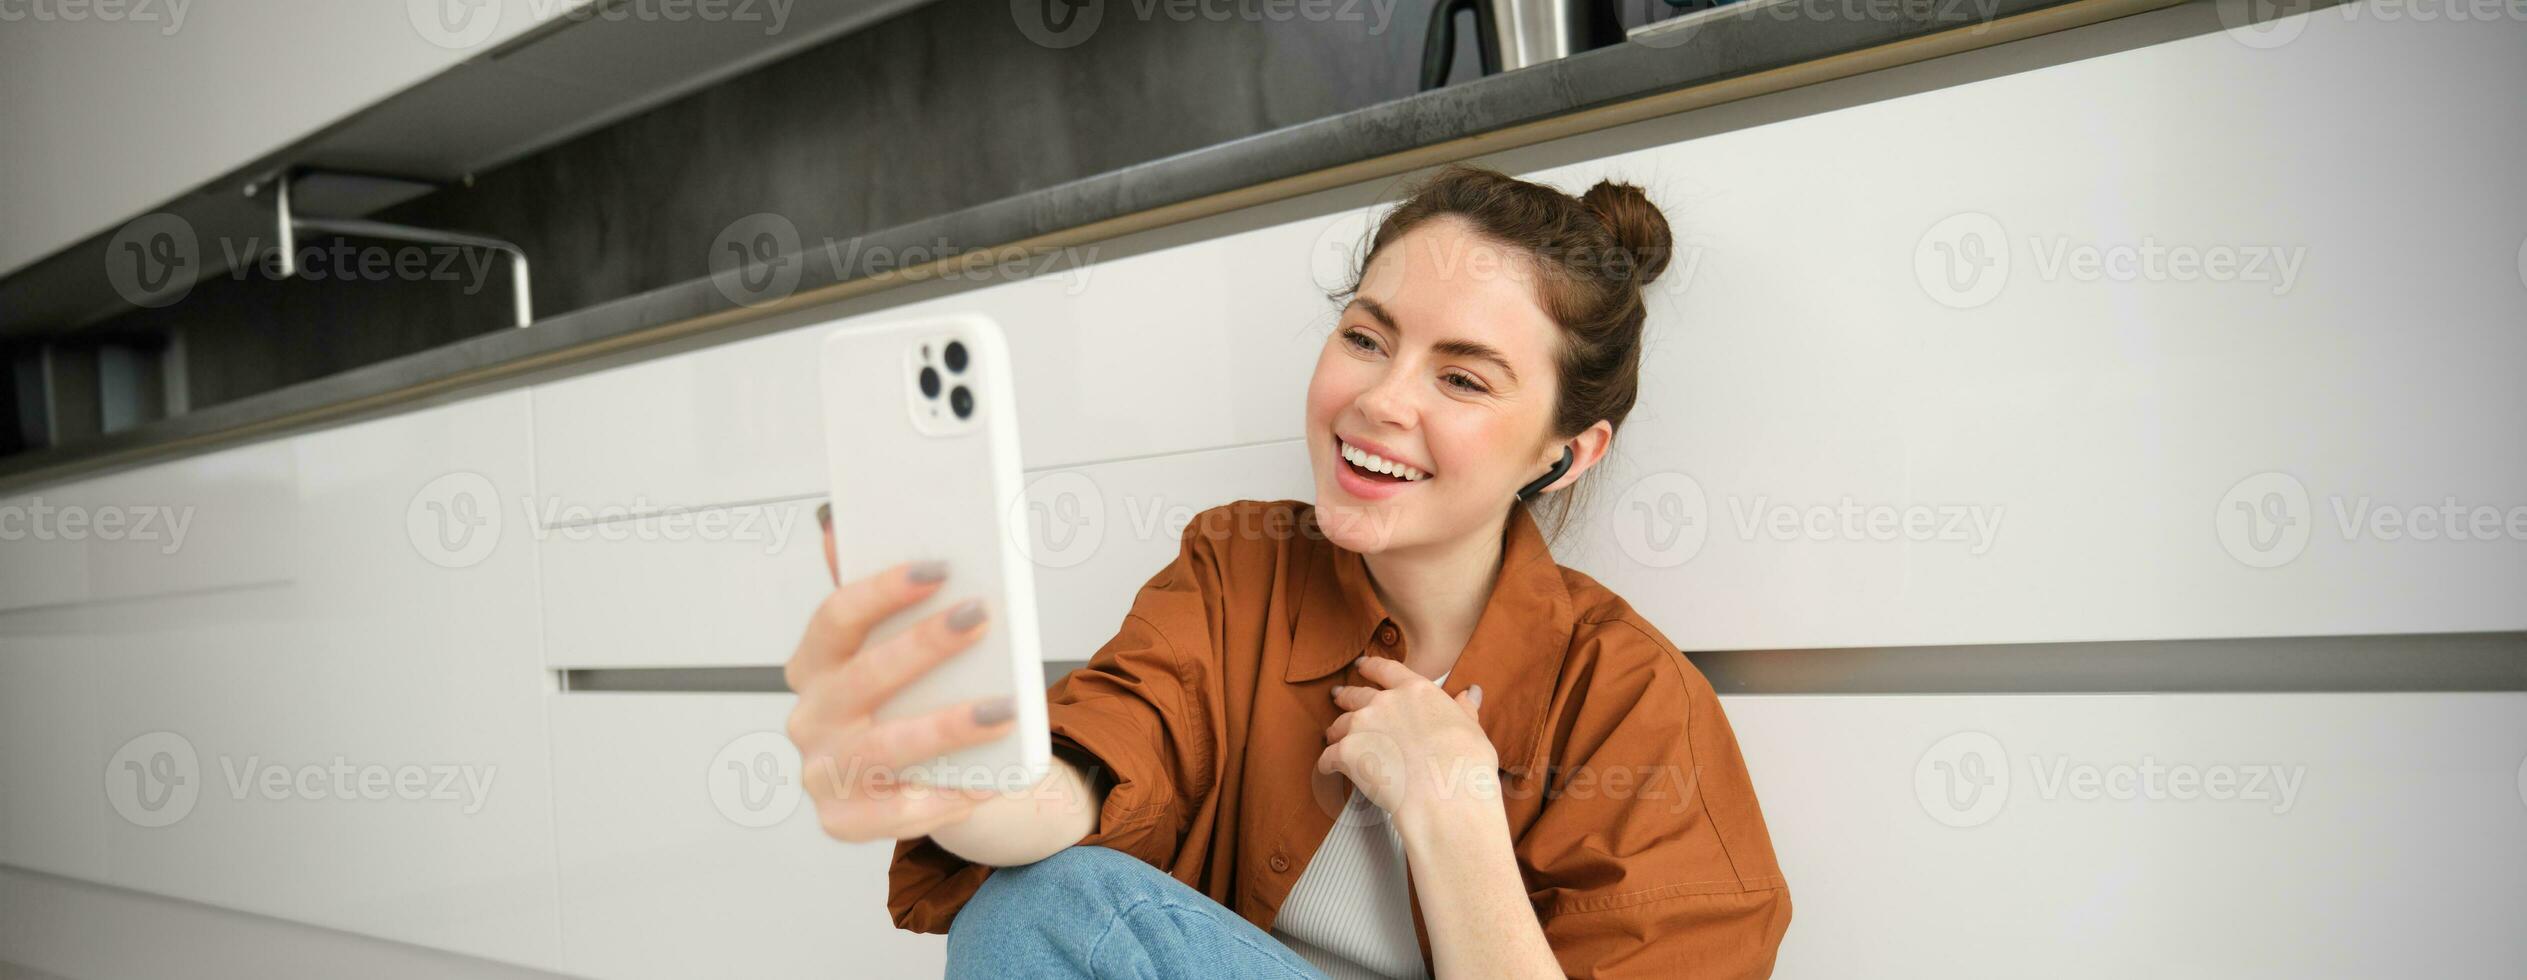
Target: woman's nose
[1387, 401]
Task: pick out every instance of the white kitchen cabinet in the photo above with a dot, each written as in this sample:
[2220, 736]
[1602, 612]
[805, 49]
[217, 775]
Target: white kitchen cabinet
[40, 566]
[367, 745]
[1168, 351]
[2105, 426]
[737, 589]
[217, 521]
[732, 424]
[720, 587]
[52, 817]
[686, 849]
[2114, 835]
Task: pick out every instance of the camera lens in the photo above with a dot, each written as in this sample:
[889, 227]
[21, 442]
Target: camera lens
[929, 382]
[956, 356]
[962, 401]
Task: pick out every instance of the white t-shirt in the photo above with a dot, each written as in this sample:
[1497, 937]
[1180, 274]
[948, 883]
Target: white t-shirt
[1351, 913]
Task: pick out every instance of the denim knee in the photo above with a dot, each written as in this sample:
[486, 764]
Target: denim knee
[1076, 879]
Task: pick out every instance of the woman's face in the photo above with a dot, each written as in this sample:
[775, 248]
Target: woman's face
[1443, 362]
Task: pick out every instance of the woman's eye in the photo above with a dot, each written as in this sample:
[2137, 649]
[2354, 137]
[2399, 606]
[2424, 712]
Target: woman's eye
[1358, 339]
[1469, 383]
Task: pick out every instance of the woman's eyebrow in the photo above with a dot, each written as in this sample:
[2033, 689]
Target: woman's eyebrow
[1453, 347]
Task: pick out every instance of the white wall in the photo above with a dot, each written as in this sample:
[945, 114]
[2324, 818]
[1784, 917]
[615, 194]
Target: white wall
[1803, 357]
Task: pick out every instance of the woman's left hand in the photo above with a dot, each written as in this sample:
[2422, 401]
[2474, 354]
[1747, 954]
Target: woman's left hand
[1408, 745]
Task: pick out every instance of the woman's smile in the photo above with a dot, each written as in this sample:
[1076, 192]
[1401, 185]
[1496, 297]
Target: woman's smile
[1390, 475]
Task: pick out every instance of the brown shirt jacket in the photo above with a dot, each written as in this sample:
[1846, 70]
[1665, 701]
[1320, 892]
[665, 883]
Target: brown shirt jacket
[1635, 825]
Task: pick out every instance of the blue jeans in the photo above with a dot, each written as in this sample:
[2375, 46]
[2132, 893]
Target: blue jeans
[1092, 911]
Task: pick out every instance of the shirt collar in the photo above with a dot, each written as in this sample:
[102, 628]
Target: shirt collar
[1516, 651]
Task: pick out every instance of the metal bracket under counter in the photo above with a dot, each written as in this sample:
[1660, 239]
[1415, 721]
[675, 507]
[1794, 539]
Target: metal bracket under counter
[288, 224]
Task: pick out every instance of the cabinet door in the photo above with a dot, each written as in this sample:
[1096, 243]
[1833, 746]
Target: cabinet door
[42, 566]
[716, 587]
[687, 850]
[737, 591]
[365, 745]
[2205, 834]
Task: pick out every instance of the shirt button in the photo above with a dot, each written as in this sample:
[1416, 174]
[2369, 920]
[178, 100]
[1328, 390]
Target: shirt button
[1280, 863]
[1386, 634]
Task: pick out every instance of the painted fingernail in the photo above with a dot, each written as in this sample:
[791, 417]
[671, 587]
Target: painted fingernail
[926, 572]
[966, 614]
[994, 711]
[825, 515]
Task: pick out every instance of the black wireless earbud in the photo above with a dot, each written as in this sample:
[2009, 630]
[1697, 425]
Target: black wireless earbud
[1547, 479]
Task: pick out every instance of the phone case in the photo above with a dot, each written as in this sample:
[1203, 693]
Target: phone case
[911, 480]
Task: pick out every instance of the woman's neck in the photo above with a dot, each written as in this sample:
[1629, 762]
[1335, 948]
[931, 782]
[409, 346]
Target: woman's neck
[1436, 593]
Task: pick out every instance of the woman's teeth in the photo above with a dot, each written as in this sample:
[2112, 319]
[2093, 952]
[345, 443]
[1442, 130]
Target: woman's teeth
[1377, 464]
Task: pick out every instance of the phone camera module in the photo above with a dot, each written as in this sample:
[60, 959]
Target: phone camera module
[956, 356]
[962, 401]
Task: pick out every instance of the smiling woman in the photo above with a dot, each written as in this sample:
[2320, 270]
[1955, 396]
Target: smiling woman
[1382, 734]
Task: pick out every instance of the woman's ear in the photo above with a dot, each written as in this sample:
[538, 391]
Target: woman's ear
[1587, 448]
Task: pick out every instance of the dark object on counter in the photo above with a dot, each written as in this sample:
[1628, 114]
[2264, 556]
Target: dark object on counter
[1512, 34]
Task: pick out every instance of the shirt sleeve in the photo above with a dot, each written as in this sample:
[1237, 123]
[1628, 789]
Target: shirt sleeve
[1135, 717]
[1652, 860]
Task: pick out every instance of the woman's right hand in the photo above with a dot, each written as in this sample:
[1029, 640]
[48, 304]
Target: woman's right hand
[849, 759]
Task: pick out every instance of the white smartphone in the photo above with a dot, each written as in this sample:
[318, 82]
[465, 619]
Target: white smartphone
[921, 441]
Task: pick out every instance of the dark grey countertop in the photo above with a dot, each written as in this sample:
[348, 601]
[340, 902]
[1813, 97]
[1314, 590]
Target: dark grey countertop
[1747, 40]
